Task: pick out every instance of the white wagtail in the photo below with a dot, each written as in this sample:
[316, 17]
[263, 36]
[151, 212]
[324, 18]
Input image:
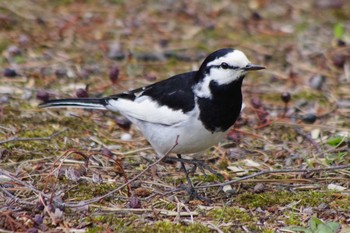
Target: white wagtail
[193, 109]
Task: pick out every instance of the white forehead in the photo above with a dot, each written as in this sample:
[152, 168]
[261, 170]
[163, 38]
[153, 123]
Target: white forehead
[234, 58]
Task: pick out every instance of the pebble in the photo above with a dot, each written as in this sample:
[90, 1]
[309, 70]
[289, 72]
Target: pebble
[309, 118]
[316, 82]
[126, 137]
[9, 73]
[114, 74]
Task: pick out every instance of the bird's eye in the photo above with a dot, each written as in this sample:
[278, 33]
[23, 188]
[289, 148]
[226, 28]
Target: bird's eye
[224, 65]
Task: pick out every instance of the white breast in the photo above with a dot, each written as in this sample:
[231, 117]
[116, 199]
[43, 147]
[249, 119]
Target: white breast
[190, 135]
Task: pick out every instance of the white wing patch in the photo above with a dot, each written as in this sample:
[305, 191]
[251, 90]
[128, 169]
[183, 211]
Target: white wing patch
[145, 109]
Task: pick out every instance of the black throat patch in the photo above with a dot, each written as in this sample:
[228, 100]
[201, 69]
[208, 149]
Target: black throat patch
[221, 111]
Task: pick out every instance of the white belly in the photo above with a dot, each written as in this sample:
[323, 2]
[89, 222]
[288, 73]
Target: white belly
[190, 138]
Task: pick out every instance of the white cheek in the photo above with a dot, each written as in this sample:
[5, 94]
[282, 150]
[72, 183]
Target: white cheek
[225, 76]
[218, 75]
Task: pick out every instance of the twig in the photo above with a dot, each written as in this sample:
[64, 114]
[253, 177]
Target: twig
[32, 139]
[15, 199]
[309, 138]
[30, 187]
[83, 203]
[96, 199]
[274, 171]
[170, 213]
[7, 174]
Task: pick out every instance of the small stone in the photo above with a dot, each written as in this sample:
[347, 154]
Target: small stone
[81, 93]
[123, 122]
[26, 95]
[39, 206]
[228, 189]
[38, 219]
[84, 73]
[315, 133]
[316, 82]
[9, 73]
[256, 102]
[72, 174]
[115, 51]
[126, 137]
[134, 203]
[114, 74]
[106, 152]
[338, 60]
[309, 118]
[4, 99]
[136, 184]
[13, 50]
[341, 43]
[336, 187]
[23, 40]
[42, 95]
[61, 73]
[256, 16]
[308, 211]
[259, 188]
[151, 77]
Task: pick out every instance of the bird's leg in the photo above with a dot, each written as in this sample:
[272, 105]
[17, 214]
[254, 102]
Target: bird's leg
[203, 166]
[192, 191]
[196, 164]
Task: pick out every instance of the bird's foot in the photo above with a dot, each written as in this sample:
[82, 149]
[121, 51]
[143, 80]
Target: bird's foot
[190, 188]
[200, 164]
[194, 195]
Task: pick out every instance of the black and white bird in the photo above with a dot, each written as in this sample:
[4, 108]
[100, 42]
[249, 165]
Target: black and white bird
[193, 109]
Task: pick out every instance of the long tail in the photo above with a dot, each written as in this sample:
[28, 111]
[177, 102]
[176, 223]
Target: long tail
[88, 103]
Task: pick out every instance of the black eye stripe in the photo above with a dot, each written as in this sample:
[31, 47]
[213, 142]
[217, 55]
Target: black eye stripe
[220, 66]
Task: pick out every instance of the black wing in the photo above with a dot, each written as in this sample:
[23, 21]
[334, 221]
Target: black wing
[175, 92]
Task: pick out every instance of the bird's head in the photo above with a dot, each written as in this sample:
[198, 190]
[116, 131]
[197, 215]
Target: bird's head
[226, 65]
[221, 68]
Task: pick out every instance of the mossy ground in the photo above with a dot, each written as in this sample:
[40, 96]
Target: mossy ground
[59, 46]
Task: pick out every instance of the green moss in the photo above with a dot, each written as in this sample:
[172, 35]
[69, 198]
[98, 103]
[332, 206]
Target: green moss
[268, 231]
[83, 191]
[20, 59]
[112, 222]
[293, 219]
[131, 224]
[230, 214]
[283, 132]
[267, 199]
[4, 44]
[310, 95]
[166, 226]
[340, 202]
[164, 205]
[95, 229]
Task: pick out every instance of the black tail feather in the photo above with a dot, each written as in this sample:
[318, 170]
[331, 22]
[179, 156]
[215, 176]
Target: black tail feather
[88, 103]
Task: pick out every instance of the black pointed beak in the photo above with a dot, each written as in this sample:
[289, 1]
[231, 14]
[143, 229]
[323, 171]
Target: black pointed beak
[250, 67]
